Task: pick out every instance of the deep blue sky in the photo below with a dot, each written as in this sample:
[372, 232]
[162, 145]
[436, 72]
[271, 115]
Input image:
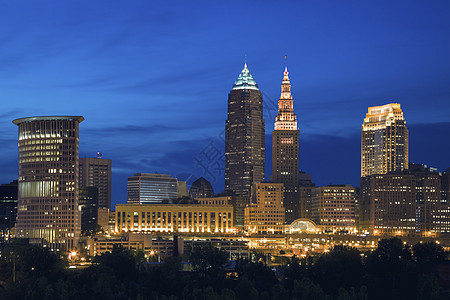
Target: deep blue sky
[152, 78]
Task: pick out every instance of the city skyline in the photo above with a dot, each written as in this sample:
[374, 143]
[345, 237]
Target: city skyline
[128, 77]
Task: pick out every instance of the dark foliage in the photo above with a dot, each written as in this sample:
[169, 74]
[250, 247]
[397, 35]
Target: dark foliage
[390, 272]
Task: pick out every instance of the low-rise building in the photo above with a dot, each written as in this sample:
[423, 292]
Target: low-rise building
[174, 218]
[266, 214]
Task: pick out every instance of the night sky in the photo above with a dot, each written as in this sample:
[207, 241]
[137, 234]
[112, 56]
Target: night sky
[152, 78]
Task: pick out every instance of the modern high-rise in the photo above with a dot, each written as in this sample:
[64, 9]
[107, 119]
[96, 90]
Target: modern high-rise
[244, 136]
[145, 188]
[285, 150]
[384, 140]
[48, 180]
[96, 172]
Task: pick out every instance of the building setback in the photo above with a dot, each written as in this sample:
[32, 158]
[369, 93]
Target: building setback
[285, 151]
[384, 140]
[48, 180]
[244, 136]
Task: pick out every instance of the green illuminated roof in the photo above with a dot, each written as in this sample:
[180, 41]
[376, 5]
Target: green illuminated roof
[245, 81]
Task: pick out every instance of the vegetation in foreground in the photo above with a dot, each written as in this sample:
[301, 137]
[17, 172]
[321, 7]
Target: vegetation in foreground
[392, 271]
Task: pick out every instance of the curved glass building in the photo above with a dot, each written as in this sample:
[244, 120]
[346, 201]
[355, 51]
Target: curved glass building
[48, 180]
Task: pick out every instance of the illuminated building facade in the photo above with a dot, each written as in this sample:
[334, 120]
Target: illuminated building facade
[405, 202]
[267, 214]
[285, 150]
[239, 203]
[48, 180]
[384, 140]
[96, 172]
[143, 188]
[244, 136]
[388, 204]
[333, 207]
[174, 218]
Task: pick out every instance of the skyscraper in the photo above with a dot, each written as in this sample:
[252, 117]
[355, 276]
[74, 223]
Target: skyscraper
[285, 150]
[48, 180]
[97, 172]
[244, 136]
[384, 140]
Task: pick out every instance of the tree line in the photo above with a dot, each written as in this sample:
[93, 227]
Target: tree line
[393, 271]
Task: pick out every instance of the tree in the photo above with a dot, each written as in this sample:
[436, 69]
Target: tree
[207, 258]
[428, 252]
[342, 267]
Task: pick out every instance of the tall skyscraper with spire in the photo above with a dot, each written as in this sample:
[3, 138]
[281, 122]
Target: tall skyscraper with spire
[285, 150]
[244, 136]
[384, 140]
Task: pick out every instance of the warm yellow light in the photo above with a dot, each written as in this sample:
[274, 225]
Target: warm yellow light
[73, 253]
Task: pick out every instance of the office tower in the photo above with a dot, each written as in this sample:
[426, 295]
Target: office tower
[48, 180]
[8, 206]
[201, 188]
[97, 172]
[333, 207]
[267, 213]
[384, 140]
[405, 202]
[144, 188]
[244, 136]
[285, 148]
[387, 204]
[88, 202]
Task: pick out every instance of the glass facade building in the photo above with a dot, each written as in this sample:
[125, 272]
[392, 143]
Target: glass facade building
[144, 188]
[244, 136]
[48, 180]
[384, 140]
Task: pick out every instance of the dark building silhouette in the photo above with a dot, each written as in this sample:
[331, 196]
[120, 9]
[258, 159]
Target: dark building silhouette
[305, 186]
[201, 188]
[244, 136]
[285, 150]
[88, 201]
[97, 172]
[8, 205]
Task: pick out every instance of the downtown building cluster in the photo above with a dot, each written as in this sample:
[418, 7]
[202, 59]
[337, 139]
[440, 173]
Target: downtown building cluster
[59, 194]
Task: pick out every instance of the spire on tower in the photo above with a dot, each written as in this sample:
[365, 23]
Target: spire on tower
[245, 80]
